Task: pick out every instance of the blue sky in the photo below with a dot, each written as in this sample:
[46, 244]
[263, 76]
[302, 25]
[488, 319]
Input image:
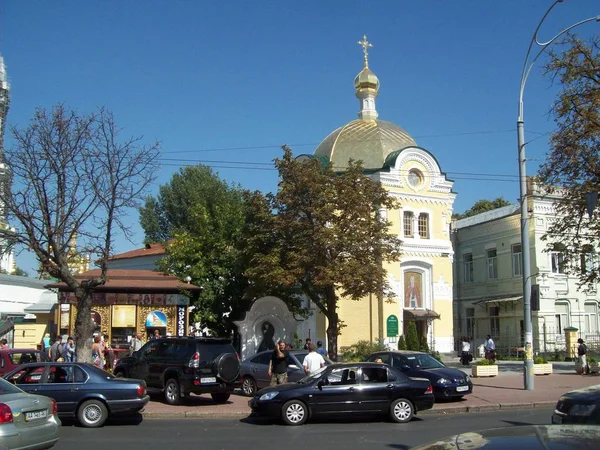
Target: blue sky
[227, 83]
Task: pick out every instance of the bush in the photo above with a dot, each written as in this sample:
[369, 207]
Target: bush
[484, 362]
[402, 343]
[412, 340]
[540, 360]
[361, 349]
[423, 345]
[436, 355]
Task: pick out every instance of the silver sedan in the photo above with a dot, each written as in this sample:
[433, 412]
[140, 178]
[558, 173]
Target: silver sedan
[27, 421]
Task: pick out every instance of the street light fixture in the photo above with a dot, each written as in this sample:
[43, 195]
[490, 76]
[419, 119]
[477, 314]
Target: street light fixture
[525, 254]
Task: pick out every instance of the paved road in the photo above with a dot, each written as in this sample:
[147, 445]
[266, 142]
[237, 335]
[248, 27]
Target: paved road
[249, 434]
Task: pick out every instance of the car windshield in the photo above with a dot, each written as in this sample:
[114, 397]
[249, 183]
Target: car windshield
[313, 376]
[423, 361]
[7, 388]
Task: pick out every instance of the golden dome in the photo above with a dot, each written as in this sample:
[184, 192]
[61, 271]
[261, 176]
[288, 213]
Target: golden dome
[366, 80]
[369, 141]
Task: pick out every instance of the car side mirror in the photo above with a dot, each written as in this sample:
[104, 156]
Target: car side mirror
[293, 367]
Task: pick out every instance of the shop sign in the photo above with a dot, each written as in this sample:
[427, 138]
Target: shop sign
[392, 326]
[156, 319]
[181, 310]
[65, 313]
[123, 316]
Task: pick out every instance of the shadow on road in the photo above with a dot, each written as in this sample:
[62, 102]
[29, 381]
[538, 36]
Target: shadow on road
[261, 420]
[128, 420]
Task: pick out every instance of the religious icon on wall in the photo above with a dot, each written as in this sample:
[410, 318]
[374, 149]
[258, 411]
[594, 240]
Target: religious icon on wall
[413, 289]
[268, 333]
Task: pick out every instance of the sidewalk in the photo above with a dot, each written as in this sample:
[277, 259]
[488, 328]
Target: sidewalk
[502, 392]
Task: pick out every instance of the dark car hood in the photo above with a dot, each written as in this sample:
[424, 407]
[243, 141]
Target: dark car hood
[281, 388]
[436, 374]
[590, 394]
[547, 437]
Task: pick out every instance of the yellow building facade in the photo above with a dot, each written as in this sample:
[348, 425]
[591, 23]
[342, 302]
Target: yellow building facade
[422, 279]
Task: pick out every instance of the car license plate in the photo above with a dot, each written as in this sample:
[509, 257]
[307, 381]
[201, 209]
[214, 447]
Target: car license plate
[462, 388]
[208, 380]
[35, 415]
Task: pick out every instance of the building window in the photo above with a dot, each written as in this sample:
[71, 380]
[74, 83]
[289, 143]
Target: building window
[561, 317]
[557, 258]
[588, 261]
[408, 224]
[591, 318]
[492, 264]
[424, 225]
[470, 318]
[468, 265]
[517, 262]
[494, 321]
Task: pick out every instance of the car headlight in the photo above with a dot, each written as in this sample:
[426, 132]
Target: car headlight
[442, 381]
[582, 410]
[269, 395]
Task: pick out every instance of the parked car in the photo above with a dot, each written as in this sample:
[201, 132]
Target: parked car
[27, 421]
[13, 357]
[528, 437]
[447, 383]
[81, 390]
[581, 406]
[254, 370]
[350, 388]
[180, 366]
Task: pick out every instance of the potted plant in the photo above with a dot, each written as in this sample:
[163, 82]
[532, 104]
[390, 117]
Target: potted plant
[484, 368]
[541, 366]
[593, 364]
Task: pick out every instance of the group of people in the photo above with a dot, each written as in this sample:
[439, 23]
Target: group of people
[279, 361]
[466, 356]
[58, 350]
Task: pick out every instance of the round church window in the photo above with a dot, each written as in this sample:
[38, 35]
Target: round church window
[415, 178]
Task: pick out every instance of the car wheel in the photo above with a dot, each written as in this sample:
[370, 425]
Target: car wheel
[249, 387]
[401, 410]
[294, 412]
[172, 396]
[220, 397]
[92, 414]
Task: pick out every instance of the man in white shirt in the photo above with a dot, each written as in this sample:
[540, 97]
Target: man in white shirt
[313, 361]
[490, 348]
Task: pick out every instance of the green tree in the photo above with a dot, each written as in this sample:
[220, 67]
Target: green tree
[19, 272]
[412, 339]
[321, 235]
[572, 167]
[423, 345]
[360, 350]
[73, 175]
[402, 343]
[482, 206]
[202, 219]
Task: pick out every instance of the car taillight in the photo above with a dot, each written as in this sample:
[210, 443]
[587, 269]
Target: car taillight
[429, 390]
[238, 356]
[54, 406]
[141, 390]
[195, 360]
[6, 415]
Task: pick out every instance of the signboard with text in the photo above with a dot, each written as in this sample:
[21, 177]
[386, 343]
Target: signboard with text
[392, 326]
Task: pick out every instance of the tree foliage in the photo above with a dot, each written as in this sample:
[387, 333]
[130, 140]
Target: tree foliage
[320, 236]
[73, 176]
[202, 219]
[482, 206]
[572, 167]
[360, 350]
[412, 338]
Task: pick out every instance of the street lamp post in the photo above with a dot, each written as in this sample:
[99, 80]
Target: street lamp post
[525, 250]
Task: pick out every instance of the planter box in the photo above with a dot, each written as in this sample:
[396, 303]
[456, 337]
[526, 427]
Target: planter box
[578, 367]
[484, 371]
[594, 367]
[542, 369]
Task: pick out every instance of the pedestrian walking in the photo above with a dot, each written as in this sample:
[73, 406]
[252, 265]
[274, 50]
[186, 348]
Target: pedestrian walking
[320, 350]
[3, 343]
[68, 350]
[582, 352]
[97, 353]
[307, 342]
[56, 349]
[136, 343]
[278, 364]
[313, 361]
[465, 355]
[490, 349]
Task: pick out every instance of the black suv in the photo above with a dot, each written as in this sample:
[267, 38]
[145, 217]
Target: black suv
[180, 366]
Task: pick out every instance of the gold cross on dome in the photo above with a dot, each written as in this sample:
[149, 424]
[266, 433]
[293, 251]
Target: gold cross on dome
[365, 45]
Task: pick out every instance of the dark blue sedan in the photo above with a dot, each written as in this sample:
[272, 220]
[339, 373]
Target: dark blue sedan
[447, 383]
[81, 390]
[346, 389]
